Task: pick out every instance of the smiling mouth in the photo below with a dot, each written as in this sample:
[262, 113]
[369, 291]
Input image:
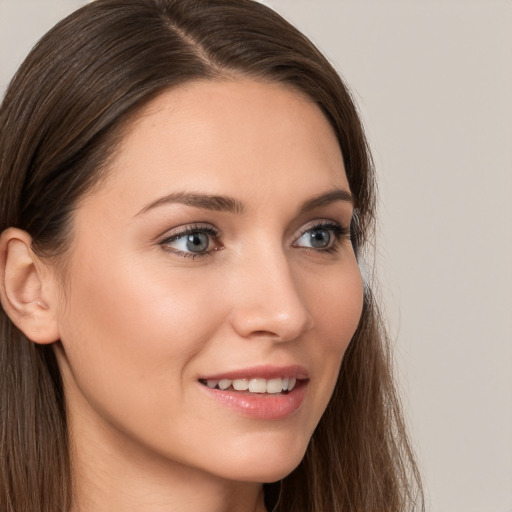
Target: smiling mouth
[257, 385]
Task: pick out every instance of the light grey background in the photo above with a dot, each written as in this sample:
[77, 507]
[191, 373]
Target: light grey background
[433, 80]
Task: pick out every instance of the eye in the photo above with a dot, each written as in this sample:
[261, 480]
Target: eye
[322, 237]
[193, 241]
[318, 238]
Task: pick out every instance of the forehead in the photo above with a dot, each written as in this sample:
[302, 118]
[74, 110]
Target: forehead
[233, 137]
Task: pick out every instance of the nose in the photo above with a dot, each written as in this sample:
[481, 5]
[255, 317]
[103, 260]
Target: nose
[267, 300]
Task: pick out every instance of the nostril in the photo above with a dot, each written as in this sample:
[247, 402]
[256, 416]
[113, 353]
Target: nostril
[264, 333]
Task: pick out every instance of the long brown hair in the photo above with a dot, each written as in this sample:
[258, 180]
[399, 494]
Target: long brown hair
[60, 120]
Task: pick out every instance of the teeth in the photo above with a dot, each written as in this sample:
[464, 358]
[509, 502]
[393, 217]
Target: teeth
[272, 386]
[224, 383]
[257, 385]
[241, 384]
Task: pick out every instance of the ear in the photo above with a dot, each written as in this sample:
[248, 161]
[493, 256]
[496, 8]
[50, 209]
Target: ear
[27, 288]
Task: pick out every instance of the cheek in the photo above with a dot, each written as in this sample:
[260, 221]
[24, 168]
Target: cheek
[126, 328]
[336, 307]
[135, 307]
[337, 310]
[131, 336]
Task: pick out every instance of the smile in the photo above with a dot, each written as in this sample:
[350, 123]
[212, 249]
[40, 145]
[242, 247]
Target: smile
[262, 392]
[257, 385]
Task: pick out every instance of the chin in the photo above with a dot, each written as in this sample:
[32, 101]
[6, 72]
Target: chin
[268, 473]
[266, 464]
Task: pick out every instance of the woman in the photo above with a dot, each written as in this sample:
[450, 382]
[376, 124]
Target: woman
[186, 189]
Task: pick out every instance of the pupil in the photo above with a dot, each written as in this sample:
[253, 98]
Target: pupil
[320, 238]
[197, 242]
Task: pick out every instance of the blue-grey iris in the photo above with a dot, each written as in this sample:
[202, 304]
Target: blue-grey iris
[197, 242]
[320, 238]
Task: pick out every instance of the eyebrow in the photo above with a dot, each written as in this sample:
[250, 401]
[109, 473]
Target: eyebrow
[328, 198]
[204, 201]
[231, 205]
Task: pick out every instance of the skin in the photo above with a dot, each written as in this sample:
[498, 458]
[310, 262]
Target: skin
[140, 322]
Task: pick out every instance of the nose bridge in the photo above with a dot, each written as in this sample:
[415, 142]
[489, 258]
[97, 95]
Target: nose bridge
[268, 299]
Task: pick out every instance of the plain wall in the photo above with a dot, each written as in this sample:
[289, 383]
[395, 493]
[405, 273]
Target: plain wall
[433, 80]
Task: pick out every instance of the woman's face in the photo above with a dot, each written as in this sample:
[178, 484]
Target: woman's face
[215, 256]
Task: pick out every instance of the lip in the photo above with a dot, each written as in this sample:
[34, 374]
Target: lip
[264, 406]
[262, 372]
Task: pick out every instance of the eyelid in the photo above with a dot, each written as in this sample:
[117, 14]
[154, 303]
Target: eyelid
[323, 223]
[189, 228]
[339, 231]
[184, 230]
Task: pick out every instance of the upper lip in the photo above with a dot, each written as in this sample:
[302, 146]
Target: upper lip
[261, 372]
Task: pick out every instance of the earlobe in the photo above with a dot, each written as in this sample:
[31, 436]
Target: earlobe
[26, 290]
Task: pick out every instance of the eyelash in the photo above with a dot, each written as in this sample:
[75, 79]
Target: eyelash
[338, 231]
[190, 230]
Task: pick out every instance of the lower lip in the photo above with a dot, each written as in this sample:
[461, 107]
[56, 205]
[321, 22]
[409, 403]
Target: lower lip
[265, 406]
